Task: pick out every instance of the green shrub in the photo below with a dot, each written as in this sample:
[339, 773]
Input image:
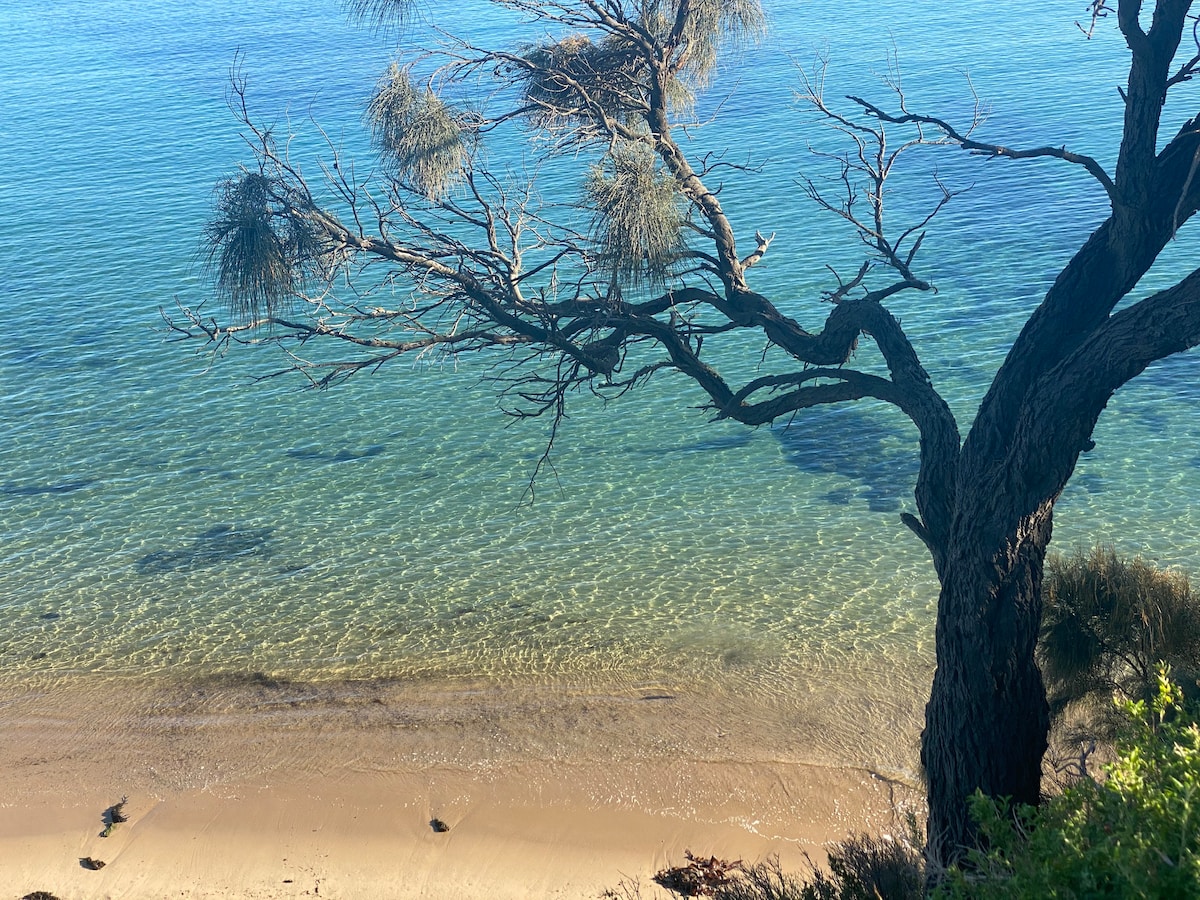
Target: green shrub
[1108, 622]
[1134, 834]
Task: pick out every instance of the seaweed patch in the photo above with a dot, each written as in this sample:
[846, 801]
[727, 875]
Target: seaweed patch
[343, 455]
[113, 816]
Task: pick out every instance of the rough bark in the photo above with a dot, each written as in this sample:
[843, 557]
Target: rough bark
[987, 718]
[986, 721]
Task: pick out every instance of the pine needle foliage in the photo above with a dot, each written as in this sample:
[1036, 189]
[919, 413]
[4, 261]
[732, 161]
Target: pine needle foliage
[1109, 622]
[708, 28]
[417, 133]
[382, 13]
[261, 245]
[575, 80]
[637, 225]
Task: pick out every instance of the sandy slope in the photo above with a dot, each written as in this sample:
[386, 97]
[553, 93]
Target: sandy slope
[262, 790]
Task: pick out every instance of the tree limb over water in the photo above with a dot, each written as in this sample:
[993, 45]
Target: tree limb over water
[441, 252]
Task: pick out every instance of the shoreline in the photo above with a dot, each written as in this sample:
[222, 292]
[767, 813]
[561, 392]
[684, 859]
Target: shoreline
[368, 835]
[272, 790]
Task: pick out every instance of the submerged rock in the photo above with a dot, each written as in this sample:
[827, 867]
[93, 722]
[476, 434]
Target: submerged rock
[218, 544]
[345, 454]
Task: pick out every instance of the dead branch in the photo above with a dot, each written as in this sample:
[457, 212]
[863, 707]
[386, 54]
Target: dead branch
[966, 142]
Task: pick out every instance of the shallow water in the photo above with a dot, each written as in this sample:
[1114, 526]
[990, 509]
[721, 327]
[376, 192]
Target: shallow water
[160, 518]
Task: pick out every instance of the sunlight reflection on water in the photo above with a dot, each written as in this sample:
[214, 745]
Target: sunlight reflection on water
[156, 518]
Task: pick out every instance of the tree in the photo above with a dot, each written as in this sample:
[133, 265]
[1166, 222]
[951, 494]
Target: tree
[646, 275]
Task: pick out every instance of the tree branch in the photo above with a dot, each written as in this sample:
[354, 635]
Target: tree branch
[1064, 407]
[966, 142]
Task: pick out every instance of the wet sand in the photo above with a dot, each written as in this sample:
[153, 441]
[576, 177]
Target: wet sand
[249, 787]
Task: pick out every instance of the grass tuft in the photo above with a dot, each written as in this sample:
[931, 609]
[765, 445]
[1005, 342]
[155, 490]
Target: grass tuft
[1108, 623]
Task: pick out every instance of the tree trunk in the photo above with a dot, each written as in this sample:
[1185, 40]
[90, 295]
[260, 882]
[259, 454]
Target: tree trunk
[987, 721]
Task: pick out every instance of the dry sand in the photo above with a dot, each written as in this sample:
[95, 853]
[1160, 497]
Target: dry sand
[256, 789]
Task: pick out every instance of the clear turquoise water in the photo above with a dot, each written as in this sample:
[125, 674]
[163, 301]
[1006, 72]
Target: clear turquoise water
[160, 517]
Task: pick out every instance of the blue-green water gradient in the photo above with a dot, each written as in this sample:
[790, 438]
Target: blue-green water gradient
[161, 517]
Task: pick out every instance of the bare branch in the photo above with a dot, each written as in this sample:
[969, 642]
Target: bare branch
[1099, 9]
[759, 251]
[855, 193]
[966, 142]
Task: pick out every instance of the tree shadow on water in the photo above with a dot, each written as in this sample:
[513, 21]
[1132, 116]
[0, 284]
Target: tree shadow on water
[12, 489]
[854, 444]
[733, 441]
[218, 544]
[345, 454]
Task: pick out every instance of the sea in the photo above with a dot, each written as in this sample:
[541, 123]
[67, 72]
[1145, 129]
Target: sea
[167, 514]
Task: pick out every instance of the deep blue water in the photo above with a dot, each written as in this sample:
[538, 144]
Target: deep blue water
[161, 514]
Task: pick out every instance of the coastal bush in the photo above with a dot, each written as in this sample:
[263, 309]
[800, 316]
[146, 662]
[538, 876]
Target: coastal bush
[1134, 833]
[1108, 623]
[861, 867]
[698, 877]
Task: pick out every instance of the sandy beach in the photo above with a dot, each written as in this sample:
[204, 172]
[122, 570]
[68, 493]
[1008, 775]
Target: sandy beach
[254, 788]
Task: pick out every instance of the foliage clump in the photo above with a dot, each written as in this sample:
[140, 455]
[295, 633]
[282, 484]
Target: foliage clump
[638, 223]
[1133, 834]
[417, 133]
[861, 867]
[574, 81]
[263, 244]
[569, 82]
[1108, 623]
[865, 868]
[709, 27]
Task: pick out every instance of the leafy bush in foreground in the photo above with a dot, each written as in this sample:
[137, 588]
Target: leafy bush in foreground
[1136, 834]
